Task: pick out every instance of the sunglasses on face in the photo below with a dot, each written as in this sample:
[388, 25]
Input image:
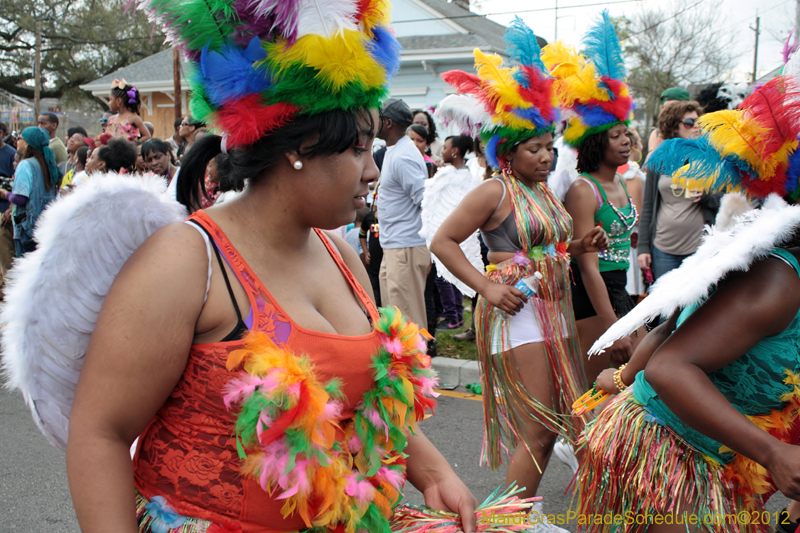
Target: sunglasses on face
[689, 122]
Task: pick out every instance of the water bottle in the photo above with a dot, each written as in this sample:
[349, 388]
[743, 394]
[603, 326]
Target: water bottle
[528, 286]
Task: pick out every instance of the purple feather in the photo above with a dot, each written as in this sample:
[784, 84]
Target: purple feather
[250, 24]
[281, 14]
[790, 47]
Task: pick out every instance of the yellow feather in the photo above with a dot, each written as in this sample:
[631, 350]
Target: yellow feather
[733, 133]
[340, 60]
[499, 82]
[576, 78]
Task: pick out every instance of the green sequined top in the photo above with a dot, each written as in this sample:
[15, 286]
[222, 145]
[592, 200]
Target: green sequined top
[618, 223]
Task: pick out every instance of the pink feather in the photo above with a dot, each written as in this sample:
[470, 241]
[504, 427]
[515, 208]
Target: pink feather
[393, 477]
[362, 491]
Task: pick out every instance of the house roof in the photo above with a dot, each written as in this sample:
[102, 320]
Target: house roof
[154, 73]
[483, 33]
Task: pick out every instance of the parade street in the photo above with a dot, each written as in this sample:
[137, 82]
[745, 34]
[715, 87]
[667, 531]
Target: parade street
[35, 494]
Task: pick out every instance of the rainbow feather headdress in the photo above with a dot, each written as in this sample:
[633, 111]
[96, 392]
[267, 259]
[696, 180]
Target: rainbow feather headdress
[752, 148]
[257, 64]
[504, 105]
[591, 88]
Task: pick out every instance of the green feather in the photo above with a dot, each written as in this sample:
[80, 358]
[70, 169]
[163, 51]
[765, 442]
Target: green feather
[198, 22]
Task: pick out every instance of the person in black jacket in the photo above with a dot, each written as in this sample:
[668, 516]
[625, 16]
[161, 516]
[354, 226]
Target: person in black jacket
[672, 219]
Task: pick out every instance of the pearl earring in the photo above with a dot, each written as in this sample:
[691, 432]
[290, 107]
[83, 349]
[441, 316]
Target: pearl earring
[298, 165]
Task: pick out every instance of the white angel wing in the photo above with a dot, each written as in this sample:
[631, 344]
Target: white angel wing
[442, 194]
[566, 171]
[54, 294]
[722, 251]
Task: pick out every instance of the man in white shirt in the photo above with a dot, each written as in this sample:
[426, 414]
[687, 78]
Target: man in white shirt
[406, 258]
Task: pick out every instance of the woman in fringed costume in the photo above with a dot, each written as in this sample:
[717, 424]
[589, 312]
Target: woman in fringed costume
[531, 368]
[242, 348]
[705, 421]
[594, 98]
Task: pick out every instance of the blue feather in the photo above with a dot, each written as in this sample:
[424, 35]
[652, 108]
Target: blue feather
[491, 151]
[793, 173]
[703, 160]
[385, 49]
[594, 116]
[229, 74]
[521, 45]
[602, 47]
[531, 114]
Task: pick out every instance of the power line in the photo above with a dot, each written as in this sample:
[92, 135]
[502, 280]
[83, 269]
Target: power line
[676, 15]
[473, 15]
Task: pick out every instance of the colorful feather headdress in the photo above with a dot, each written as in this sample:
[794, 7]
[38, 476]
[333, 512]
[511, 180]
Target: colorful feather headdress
[260, 63]
[591, 88]
[504, 105]
[752, 148]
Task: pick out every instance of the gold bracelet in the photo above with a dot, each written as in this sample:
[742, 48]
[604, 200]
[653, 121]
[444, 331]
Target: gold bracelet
[618, 379]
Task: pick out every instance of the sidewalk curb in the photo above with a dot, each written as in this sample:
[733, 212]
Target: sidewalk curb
[455, 372]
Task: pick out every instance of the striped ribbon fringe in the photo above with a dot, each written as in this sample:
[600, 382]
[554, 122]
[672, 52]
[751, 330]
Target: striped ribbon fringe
[508, 406]
[633, 466]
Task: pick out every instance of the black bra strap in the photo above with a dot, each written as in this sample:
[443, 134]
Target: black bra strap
[224, 272]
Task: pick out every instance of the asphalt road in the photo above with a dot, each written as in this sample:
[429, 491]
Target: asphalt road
[34, 494]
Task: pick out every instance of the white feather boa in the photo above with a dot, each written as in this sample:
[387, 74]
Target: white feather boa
[54, 294]
[755, 233]
[442, 195]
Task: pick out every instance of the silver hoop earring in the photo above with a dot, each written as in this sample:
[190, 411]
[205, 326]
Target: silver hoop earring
[298, 165]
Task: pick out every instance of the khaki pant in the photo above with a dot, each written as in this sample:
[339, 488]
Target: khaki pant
[7, 253]
[402, 279]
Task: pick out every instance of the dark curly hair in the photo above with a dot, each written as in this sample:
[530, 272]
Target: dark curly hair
[672, 115]
[118, 154]
[133, 107]
[590, 153]
[432, 125]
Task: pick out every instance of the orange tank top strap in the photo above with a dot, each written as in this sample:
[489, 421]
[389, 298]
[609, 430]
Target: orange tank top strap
[359, 291]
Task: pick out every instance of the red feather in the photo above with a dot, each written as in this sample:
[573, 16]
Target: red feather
[464, 82]
[248, 119]
[539, 92]
[363, 6]
[759, 188]
[619, 106]
[776, 106]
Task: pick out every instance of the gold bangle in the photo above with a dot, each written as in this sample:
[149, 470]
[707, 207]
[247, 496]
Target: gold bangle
[618, 379]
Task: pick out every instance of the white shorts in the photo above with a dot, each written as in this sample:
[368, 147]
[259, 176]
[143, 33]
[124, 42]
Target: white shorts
[523, 328]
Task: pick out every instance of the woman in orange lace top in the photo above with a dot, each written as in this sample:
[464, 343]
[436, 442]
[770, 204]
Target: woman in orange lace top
[156, 364]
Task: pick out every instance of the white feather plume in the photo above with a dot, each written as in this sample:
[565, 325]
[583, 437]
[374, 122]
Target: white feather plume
[326, 17]
[566, 171]
[54, 294]
[735, 249]
[465, 112]
[442, 195]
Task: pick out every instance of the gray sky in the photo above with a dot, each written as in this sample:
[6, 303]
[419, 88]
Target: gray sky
[777, 19]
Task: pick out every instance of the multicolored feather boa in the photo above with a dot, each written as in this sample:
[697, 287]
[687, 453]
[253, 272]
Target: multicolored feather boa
[288, 422]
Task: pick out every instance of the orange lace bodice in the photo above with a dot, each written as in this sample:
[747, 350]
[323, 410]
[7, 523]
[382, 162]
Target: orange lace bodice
[188, 453]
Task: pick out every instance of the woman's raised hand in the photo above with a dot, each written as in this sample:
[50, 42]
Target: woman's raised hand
[595, 241]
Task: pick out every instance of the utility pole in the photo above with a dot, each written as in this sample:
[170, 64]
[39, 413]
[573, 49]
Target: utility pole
[556, 25]
[755, 52]
[176, 81]
[37, 74]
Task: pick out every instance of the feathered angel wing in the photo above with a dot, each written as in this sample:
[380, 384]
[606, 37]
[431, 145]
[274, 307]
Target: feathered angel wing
[443, 193]
[54, 294]
[751, 239]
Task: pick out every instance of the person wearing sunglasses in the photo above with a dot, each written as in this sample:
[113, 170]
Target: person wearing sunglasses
[673, 217]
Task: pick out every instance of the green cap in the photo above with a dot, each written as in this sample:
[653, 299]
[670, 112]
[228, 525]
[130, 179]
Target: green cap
[675, 93]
